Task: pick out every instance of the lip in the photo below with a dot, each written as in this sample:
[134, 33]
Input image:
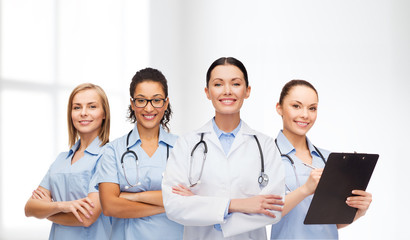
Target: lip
[227, 101]
[302, 124]
[149, 117]
[85, 122]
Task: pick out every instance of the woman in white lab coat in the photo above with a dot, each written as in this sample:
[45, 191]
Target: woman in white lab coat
[219, 190]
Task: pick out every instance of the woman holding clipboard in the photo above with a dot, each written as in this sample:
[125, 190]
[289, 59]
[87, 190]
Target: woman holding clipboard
[304, 163]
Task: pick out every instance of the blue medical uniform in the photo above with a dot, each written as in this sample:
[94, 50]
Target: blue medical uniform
[291, 226]
[150, 171]
[68, 182]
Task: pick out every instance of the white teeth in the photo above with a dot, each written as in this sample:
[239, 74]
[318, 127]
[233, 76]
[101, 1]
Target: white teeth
[227, 101]
[149, 116]
[302, 124]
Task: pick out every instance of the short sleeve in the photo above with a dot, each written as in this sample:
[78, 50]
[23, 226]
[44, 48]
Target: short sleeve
[92, 187]
[45, 183]
[107, 170]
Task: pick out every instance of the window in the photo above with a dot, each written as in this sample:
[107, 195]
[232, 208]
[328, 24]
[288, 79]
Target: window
[47, 48]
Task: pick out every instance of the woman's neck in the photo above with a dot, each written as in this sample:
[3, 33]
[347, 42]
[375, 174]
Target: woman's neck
[148, 134]
[149, 139]
[86, 140]
[297, 141]
[227, 122]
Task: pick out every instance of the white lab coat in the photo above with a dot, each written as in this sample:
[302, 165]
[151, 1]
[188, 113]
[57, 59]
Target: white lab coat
[224, 178]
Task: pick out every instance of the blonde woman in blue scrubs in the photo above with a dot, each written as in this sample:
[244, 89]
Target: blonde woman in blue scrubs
[66, 195]
[298, 104]
[130, 172]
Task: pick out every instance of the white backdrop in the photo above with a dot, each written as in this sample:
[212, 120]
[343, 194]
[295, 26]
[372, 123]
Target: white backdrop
[356, 53]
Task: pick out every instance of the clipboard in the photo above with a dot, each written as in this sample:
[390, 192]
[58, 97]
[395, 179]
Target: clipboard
[343, 173]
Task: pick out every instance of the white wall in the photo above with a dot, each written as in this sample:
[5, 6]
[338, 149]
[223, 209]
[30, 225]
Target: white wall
[356, 53]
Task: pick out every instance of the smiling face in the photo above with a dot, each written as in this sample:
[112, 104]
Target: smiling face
[149, 117]
[227, 89]
[298, 111]
[87, 113]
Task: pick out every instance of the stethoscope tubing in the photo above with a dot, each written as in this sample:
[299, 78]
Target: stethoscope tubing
[128, 151]
[203, 161]
[293, 163]
[263, 178]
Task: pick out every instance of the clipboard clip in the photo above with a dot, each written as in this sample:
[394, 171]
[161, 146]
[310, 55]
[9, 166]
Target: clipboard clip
[354, 152]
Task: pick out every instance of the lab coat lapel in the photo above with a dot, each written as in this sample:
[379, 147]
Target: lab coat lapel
[241, 137]
[210, 135]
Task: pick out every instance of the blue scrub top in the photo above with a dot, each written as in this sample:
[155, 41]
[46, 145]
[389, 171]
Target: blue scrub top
[291, 226]
[68, 182]
[150, 171]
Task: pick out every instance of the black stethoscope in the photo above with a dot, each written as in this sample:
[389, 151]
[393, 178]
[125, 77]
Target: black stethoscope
[293, 162]
[263, 178]
[136, 163]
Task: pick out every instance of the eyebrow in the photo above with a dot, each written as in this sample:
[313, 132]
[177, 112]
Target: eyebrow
[155, 95]
[87, 103]
[303, 104]
[232, 79]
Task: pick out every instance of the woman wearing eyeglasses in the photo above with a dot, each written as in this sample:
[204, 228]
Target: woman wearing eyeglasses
[130, 172]
[225, 180]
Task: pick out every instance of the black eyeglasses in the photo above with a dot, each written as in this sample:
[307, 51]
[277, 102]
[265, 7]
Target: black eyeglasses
[155, 102]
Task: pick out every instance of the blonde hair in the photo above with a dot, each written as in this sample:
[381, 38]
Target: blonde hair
[104, 134]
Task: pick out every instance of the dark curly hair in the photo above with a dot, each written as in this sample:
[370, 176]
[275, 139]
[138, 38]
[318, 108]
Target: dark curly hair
[153, 75]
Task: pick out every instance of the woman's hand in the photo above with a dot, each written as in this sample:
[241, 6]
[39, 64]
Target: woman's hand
[361, 202]
[310, 186]
[39, 194]
[182, 190]
[257, 204]
[83, 205]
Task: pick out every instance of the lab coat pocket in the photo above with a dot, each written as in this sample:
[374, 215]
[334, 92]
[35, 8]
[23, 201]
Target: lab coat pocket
[248, 179]
[250, 188]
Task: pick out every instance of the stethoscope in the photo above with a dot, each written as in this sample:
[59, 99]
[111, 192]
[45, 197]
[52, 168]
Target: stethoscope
[263, 178]
[293, 163]
[136, 163]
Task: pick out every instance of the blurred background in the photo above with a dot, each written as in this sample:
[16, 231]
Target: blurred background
[356, 53]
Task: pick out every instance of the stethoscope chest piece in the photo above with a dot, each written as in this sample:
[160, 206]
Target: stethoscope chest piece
[263, 180]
